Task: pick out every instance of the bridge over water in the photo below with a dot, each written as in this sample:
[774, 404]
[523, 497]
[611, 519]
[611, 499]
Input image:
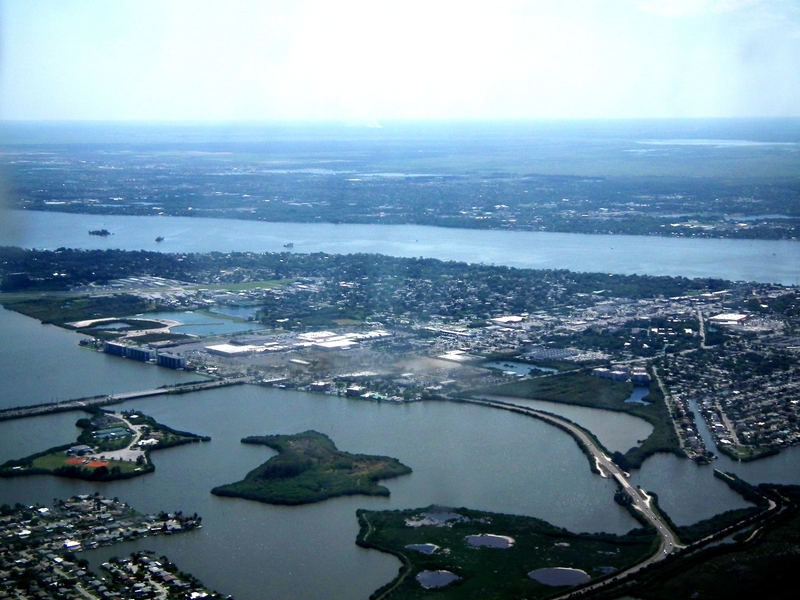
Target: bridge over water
[22, 412]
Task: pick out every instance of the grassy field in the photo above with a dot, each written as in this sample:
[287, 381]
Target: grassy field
[487, 572]
[584, 390]
[572, 388]
[309, 468]
[60, 310]
[746, 453]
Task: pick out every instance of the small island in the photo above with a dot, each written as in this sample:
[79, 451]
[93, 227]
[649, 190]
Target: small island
[462, 553]
[100, 232]
[110, 447]
[309, 468]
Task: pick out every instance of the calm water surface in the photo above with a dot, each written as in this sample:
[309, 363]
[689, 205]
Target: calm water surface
[468, 456]
[750, 260]
[196, 323]
[616, 431]
[461, 455]
[43, 363]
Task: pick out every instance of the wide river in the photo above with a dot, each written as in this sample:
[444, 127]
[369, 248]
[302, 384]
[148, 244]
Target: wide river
[747, 260]
[461, 455]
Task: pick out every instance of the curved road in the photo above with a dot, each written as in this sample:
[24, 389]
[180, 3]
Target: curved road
[641, 500]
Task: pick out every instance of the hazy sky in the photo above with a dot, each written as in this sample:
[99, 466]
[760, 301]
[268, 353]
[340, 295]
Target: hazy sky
[373, 60]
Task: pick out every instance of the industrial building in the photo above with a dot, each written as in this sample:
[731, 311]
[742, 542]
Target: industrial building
[171, 361]
[133, 352]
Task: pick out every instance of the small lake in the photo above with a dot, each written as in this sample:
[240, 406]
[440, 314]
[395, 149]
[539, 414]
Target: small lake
[196, 323]
[240, 312]
[490, 540]
[424, 548]
[559, 576]
[112, 326]
[638, 394]
[436, 579]
[517, 368]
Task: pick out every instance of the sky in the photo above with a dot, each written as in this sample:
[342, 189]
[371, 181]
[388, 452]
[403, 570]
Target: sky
[369, 61]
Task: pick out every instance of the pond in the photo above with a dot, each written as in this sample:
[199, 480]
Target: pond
[116, 325]
[491, 540]
[518, 368]
[436, 579]
[638, 394]
[203, 324]
[559, 576]
[424, 548]
[240, 312]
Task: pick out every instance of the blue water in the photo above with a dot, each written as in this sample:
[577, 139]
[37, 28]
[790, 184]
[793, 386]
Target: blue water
[241, 312]
[518, 367]
[737, 260]
[637, 394]
[194, 323]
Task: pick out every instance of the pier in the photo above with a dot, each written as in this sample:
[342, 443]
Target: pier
[22, 412]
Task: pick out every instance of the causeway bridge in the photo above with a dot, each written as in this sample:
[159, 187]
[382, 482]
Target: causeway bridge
[22, 412]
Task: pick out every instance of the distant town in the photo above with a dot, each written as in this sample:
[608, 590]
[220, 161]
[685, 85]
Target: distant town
[723, 355]
[337, 184]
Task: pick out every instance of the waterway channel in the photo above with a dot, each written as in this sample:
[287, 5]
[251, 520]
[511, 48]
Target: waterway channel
[748, 260]
[461, 455]
[43, 363]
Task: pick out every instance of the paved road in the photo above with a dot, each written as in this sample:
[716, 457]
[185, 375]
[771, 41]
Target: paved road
[21, 412]
[642, 502]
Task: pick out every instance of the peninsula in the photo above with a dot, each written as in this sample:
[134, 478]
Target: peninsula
[111, 446]
[309, 468]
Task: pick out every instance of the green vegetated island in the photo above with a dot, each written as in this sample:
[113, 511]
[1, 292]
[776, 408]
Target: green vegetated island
[309, 468]
[463, 553]
[491, 555]
[110, 446]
